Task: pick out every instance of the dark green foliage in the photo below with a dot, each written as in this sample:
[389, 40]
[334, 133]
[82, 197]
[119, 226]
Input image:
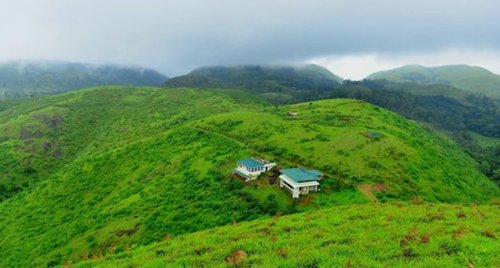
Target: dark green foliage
[488, 156]
[271, 205]
[272, 84]
[478, 114]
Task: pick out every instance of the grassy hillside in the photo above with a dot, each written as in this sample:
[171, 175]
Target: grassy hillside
[130, 166]
[391, 235]
[357, 143]
[39, 136]
[472, 79]
[28, 79]
[274, 84]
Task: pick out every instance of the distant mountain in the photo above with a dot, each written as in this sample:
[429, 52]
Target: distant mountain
[25, 78]
[469, 78]
[276, 84]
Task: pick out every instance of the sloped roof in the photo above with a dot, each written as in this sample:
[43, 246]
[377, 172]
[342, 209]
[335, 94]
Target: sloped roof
[250, 162]
[302, 175]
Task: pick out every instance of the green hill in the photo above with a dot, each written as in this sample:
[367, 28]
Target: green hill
[275, 84]
[472, 79]
[38, 136]
[396, 235]
[31, 78]
[103, 169]
[468, 119]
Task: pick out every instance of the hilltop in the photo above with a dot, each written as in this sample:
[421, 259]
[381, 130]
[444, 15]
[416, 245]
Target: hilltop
[34, 78]
[275, 84]
[451, 108]
[473, 79]
[465, 117]
[106, 168]
[394, 235]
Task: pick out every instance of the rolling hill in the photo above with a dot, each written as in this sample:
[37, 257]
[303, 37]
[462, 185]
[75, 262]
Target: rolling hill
[275, 84]
[390, 235]
[34, 78]
[443, 106]
[473, 79]
[93, 171]
[463, 116]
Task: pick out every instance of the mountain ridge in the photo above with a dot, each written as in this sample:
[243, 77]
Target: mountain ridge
[473, 79]
[276, 84]
[34, 78]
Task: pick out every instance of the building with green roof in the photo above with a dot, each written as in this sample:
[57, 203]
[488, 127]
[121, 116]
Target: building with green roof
[300, 181]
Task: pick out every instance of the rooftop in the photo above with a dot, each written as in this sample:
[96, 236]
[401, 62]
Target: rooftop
[250, 162]
[301, 174]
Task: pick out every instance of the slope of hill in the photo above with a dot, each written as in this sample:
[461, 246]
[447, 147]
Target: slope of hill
[276, 84]
[391, 235]
[354, 141]
[466, 118]
[20, 79]
[443, 106]
[472, 79]
[39, 136]
[130, 166]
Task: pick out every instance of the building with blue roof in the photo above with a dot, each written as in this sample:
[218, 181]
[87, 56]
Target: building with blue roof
[251, 168]
[300, 181]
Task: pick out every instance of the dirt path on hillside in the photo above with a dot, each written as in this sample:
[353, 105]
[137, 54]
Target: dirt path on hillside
[367, 190]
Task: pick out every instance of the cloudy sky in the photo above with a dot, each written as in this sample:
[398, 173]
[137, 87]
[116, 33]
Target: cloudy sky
[352, 38]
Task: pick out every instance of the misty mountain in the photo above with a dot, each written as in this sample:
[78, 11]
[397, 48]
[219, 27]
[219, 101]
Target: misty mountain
[472, 79]
[30, 78]
[276, 84]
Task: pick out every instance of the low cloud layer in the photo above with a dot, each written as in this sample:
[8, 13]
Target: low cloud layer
[176, 36]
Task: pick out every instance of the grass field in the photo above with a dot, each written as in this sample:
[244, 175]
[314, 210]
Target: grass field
[389, 235]
[353, 143]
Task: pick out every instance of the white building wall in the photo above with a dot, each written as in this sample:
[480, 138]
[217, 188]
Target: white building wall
[295, 187]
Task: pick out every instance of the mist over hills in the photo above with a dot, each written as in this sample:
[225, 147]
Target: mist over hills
[34, 78]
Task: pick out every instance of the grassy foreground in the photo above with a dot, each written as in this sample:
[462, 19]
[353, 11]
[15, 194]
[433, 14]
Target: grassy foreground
[388, 235]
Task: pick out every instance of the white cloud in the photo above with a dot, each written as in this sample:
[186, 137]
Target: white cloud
[357, 67]
[176, 36]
